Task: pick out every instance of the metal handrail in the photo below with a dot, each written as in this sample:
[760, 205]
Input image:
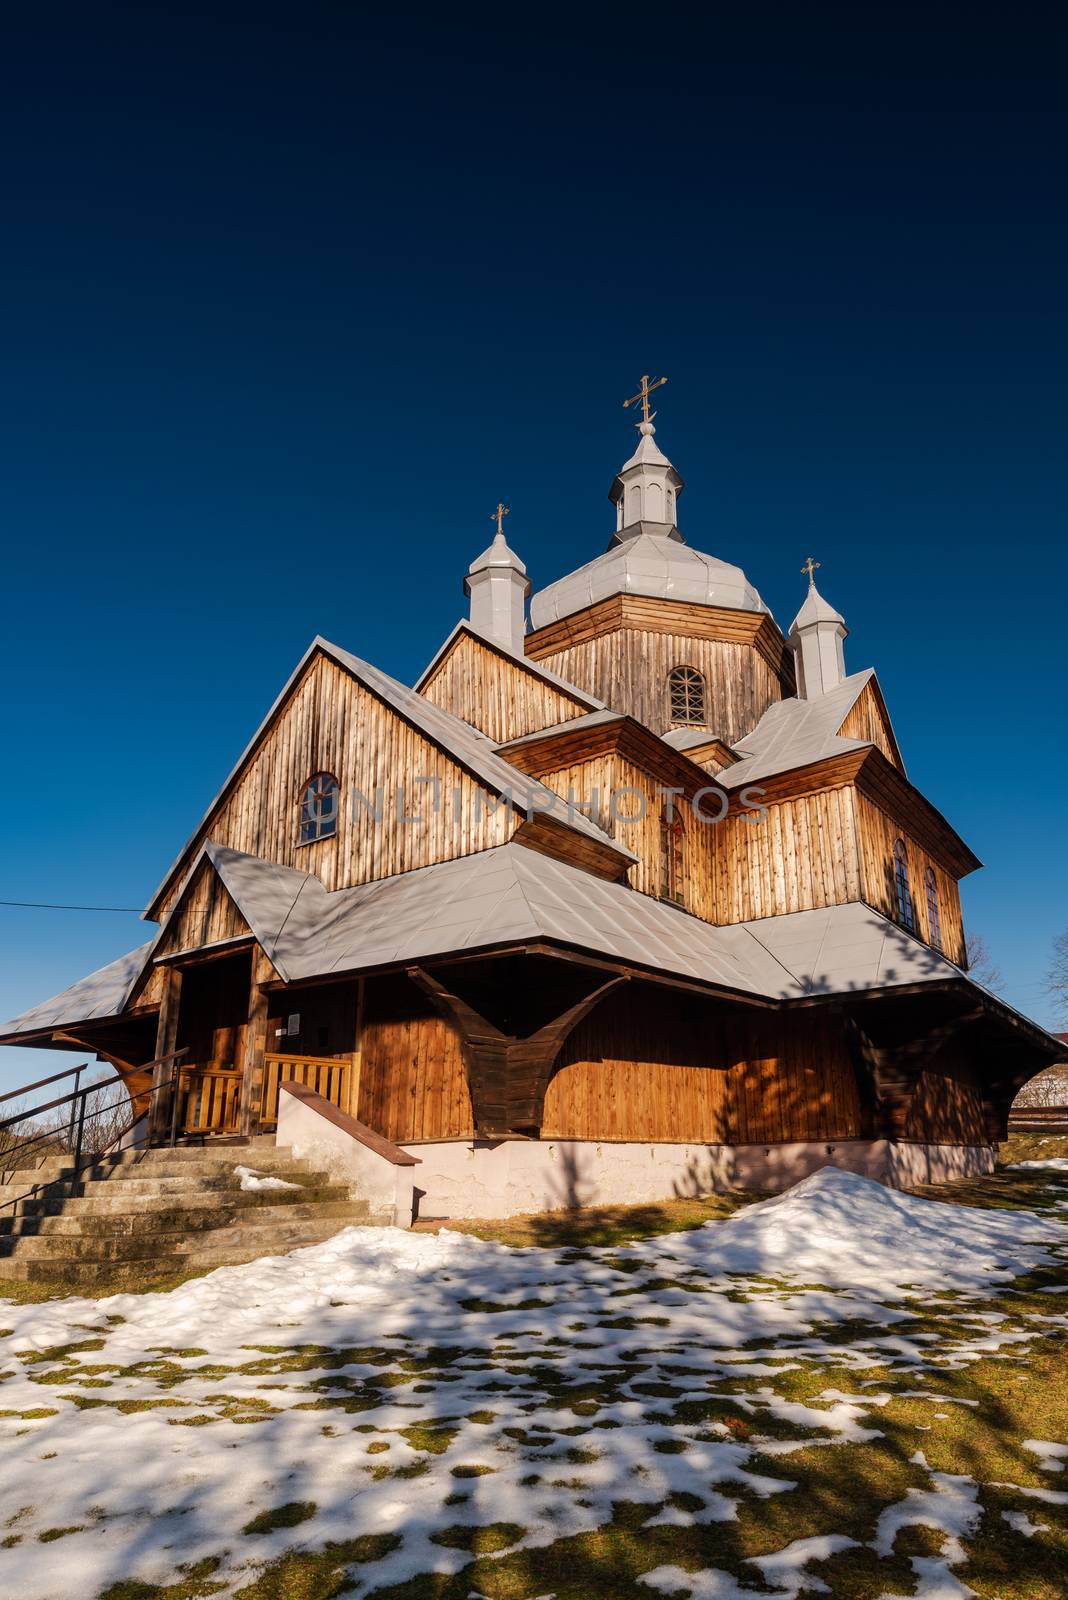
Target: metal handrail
[10, 1158]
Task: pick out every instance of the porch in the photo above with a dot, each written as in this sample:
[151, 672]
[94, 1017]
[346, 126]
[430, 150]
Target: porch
[242, 1037]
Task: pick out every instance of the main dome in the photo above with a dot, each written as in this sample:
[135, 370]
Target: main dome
[659, 565]
[648, 555]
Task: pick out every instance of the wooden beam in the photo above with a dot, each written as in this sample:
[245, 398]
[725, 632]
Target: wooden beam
[255, 1042]
[507, 1075]
[531, 1060]
[166, 1042]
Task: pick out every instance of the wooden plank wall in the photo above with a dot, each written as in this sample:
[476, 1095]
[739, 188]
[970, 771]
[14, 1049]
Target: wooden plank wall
[876, 833]
[206, 914]
[327, 1013]
[628, 669]
[802, 855]
[495, 695]
[609, 773]
[333, 724]
[947, 1103]
[413, 1084]
[867, 720]
[644, 1068]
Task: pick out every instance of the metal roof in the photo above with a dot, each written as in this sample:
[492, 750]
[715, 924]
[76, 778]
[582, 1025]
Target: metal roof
[848, 949]
[795, 733]
[650, 564]
[104, 993]
[513, 895]
[691, 738]
[589, 719]
[501, 896]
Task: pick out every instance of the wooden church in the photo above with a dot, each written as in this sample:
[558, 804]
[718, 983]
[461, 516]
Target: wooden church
[630, 896]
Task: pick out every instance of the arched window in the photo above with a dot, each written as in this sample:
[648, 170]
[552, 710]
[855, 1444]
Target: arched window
[686, 689]
[934, 919]
[902, 892]
[318, 808]
[672, 854]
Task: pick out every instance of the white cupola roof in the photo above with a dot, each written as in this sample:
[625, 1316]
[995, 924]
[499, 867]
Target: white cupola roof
[498, 586]
[645, 490]
[816, 637]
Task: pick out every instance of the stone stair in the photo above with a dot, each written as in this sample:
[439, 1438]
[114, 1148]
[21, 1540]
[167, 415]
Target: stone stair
[149, 1215]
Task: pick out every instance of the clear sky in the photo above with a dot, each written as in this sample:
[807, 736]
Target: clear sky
[292, 298]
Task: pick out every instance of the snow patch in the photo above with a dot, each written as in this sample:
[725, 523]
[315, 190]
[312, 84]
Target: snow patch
[256, 1181]
[1023, 1524]
[1051, 1456]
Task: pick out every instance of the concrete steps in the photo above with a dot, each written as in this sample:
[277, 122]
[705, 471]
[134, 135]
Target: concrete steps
[153, 1214]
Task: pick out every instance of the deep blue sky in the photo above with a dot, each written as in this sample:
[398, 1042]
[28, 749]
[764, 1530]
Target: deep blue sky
[292, 298]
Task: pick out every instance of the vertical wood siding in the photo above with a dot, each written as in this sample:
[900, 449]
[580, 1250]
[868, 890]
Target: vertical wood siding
[802, 855]
[501, 699]
[205, 915]
[413, 1084]
[654, 1068]
[867, 720]
[877, 832]
[628, 669]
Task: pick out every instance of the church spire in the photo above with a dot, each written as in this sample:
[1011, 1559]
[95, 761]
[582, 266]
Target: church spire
[646, 488]
[815, 638]
[498, 585]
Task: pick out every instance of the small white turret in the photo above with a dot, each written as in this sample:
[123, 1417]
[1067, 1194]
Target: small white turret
[815, 638]
[646, 490]
[498, 586]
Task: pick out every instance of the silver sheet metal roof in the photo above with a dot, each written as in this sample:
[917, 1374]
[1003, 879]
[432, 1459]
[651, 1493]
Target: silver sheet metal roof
[795, 733]
[500, 896]
[590, 719]
[651, 564]
[515, 895]
[690, 738]
[535, 668]
[104, 993]
[848, 949]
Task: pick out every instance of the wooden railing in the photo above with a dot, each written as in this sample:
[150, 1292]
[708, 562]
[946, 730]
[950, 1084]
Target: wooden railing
[326, 1075]
[209, 1100]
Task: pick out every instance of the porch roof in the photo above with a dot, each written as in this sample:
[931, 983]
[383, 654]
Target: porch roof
[512, 896]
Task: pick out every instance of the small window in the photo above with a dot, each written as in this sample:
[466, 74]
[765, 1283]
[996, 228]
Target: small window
[672, 855]
[902, 892]
[318, 808]
[934, 919]
[686, 688]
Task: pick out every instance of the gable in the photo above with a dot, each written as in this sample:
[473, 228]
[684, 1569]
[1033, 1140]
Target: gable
[500, 694]
[204, 914]
[328, 721]
[869, 720]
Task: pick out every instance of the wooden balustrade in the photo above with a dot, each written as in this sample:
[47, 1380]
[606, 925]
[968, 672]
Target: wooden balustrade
[327, 1075]
[209, 1100]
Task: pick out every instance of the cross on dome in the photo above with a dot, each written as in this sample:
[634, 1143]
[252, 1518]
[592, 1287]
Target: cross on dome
[810, 567]
[498, 517]
[647, 386]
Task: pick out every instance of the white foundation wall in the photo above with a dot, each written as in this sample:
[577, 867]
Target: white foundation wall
[486, 1178]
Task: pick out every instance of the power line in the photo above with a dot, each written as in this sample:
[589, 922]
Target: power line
[47, 905]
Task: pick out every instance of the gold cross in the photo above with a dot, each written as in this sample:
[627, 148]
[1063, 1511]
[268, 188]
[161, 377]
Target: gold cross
[648, 385]
[810, 567]
[498, 517]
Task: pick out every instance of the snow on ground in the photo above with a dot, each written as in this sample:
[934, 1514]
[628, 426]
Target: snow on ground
[1051, 1456]
[1057, 1163]
[408, 1387]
